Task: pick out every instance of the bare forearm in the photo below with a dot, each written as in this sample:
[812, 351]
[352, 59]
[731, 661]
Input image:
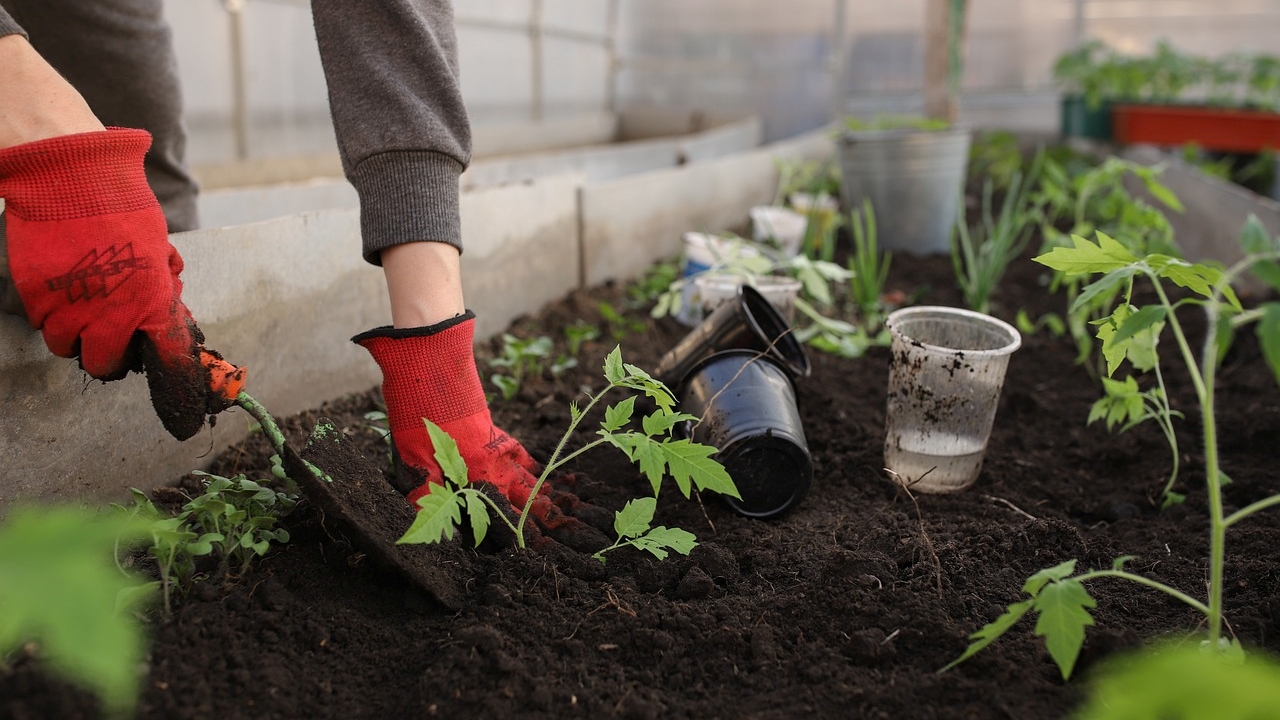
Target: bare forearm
[35, 101]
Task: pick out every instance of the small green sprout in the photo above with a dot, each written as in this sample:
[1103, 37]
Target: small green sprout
[522, 357]
[633, 523]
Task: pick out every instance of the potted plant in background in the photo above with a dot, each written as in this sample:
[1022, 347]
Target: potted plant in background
[912, 171]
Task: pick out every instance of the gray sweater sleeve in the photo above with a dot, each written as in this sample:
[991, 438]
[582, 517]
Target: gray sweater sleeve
[403, 133]
[8, 26]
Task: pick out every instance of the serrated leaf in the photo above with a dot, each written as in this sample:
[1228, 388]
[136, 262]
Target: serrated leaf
[613, 371]
[660, 423]
[1102, 286]
[660, 539]
[691, 462]
[1085, 257]
[478, 514]
[1063, 618]
[1057, 572]
[617, 416]
[446, 453]
[1268, 332]
[635, 517]
[1141, 320]
[992, 631]
[439, 514]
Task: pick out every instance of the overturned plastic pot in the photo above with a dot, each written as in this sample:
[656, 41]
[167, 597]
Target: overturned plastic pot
[746, 406]
[747, 322]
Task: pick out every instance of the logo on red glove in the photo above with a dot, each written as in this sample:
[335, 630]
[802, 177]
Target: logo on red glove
[99, 274]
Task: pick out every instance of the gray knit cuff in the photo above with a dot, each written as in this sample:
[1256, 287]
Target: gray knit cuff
[8, 26]
[407, 196]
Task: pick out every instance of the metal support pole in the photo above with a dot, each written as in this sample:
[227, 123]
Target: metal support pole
[239, 82]
[535, 61]
[838, 59]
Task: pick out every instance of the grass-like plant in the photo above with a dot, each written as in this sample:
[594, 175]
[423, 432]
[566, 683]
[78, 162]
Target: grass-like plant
[981, 258]
[1058, 595]
[652, 448]
[867, 273]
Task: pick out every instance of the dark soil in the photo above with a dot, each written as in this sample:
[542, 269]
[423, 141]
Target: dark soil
[847, 607]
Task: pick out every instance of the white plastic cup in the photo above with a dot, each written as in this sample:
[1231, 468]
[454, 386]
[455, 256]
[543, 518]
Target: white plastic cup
[702, 252]
[945, 376]
[715, 289]
[778, 225]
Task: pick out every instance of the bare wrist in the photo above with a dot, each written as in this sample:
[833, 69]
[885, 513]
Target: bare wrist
[37, 102]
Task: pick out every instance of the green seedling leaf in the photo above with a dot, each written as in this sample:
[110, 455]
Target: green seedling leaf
[1063, 617]
[1172, 498]
[1182, 681]
[1160, 192]
[634, 518]
[440, 513]
[446, 453]
[1085, 257]
[690, 462]
[617, 416]
[1102, 287]
[478, 513]
[1143, 319]
[613, 370]
[60, 588]
[1058, 572]
[660, 423]
[661, 539]
[1198, 278]
[992, 631]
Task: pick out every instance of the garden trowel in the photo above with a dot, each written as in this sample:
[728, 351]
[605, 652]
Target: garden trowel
[348, 490]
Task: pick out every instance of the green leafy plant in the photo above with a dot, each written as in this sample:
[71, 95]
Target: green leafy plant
[817, 178]
[620, 324]
[1183, 681]
[981, 259]
[239, 517]
[579, 334]
[634, 525]
[654, 282]
[652, 448]
[174, 546]
[1058, 594]
[867, 272]
[64, 600]
[520, 357]
[1093, 198]
[1125, 405]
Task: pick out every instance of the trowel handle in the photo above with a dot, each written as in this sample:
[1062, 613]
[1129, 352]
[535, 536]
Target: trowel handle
[225, 380]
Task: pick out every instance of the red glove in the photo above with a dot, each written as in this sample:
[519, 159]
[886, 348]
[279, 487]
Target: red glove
[90, 257]
[431, 373]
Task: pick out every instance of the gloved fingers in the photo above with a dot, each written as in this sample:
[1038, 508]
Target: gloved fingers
[105, 353]
[569, 530]
[176, 378]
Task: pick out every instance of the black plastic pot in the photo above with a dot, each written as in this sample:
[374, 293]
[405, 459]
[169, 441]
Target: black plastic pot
[748, 322]
[747, 407]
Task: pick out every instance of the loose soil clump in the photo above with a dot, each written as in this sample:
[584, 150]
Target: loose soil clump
[846, 607]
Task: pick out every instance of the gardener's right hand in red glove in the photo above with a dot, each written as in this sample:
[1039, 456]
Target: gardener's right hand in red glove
[431, 373]
[91, 260]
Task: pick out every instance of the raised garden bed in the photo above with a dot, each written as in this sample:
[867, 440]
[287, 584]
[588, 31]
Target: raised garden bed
[847, 607]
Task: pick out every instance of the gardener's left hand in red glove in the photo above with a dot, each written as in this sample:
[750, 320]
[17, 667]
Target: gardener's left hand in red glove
[431, 373]
[90, 257]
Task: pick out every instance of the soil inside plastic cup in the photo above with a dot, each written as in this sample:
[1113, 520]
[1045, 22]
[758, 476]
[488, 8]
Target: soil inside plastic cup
[945, 376]
[747, 410]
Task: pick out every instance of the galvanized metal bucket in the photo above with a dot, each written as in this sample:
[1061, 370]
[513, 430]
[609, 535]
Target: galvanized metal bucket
[913, 179]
